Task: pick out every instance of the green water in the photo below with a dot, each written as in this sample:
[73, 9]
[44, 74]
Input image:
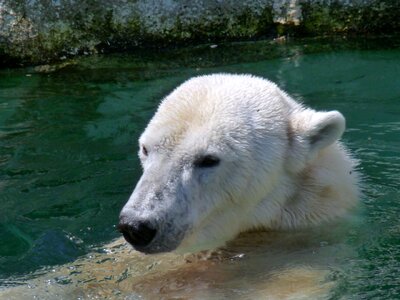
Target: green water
[68, 144]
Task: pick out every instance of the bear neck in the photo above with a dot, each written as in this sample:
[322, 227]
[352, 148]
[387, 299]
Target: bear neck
[325, 189]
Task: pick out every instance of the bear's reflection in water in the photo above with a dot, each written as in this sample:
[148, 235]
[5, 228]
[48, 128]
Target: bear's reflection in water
[257, 265]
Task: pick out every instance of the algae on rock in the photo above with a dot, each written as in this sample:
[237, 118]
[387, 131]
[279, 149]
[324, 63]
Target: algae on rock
[43, 31]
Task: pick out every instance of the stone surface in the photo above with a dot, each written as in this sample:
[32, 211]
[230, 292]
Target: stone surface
[43, 31]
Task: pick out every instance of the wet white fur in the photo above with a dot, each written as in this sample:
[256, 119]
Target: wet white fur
[282, 166]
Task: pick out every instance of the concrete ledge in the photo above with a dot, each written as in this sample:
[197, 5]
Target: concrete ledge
[43, 31]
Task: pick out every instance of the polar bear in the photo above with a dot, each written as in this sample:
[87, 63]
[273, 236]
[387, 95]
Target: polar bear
[225, 154]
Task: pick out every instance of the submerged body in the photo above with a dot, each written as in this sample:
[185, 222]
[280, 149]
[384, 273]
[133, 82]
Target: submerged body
[226, 154]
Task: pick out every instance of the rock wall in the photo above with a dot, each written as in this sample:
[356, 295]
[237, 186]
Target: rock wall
[43, 31]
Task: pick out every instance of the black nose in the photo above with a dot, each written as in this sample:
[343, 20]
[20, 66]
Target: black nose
[138, 234]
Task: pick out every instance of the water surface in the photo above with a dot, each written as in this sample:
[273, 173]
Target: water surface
[68, 140]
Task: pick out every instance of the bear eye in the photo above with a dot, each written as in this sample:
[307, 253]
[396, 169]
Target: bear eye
[207, 161]
[144, 151]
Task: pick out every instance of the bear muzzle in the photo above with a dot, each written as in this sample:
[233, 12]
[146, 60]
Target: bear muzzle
[149, 236]
[138, 234]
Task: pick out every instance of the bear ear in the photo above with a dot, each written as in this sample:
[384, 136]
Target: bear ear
[311, 131]
[324, 129]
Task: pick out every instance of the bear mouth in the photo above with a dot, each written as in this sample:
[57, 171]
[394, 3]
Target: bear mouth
[145, 238]
[157, 246]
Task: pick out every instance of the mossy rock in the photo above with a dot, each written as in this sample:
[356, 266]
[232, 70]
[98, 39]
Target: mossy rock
[43, 32]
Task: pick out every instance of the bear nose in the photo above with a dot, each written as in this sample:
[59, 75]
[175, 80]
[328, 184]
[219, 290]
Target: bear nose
[138, 234]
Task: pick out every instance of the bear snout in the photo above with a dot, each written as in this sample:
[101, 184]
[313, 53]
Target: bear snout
[139, 233]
